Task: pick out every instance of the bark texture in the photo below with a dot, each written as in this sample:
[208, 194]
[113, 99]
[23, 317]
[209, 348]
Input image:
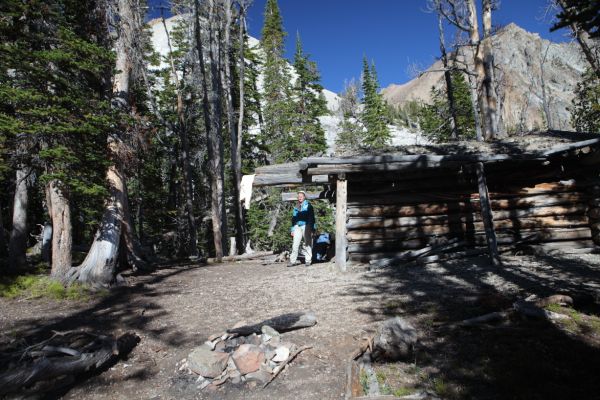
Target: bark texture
[212, 96]
[99, 266]
[60, 213]
[17, 246]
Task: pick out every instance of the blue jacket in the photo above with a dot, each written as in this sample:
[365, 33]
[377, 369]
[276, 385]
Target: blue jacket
[304, 216]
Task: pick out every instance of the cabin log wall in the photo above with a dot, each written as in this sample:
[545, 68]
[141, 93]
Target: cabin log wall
[388, 218]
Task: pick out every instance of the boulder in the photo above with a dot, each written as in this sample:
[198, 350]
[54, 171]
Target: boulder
[394, 340]
[247, 358]
[207, 363]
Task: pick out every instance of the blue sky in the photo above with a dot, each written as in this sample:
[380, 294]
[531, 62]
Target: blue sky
[395, 34]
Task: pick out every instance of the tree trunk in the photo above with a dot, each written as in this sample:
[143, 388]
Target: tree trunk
[227, 83]
[489, 83]
[99, 266]
[480, 70]
[3, 248]
[60, 213]
[17, 246]
[448, 79]
[211, 89]
[185, 161]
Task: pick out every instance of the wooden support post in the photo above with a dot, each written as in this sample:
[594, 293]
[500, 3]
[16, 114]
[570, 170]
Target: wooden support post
[486, 215]
[341, 200]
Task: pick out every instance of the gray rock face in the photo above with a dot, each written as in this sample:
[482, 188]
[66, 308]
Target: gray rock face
[207, 363]
[394, 340]
[532, 72]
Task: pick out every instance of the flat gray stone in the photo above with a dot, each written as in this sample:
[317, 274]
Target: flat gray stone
[207, 363]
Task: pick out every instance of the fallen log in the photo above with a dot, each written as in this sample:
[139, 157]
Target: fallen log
[242, 257]
[281, 323]
[530, 309]
[486, 318]
[43, 363]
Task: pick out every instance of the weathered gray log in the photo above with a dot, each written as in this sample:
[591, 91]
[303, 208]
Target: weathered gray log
[454, 209]
[473, 238]
[47, 369]
[287, 179]
[458, 219]
[413, 254]
[484, 319]
[281, 323]
[531, 310]
[241, 257]
[293, 196]
[341, 242]
[571, 146]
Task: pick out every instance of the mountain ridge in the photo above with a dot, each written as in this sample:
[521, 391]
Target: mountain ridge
[526, 65]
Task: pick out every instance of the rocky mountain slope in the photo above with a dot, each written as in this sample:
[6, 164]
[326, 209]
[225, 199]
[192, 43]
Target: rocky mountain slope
[526, 64]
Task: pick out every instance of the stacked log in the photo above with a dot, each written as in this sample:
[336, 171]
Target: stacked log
[389, 219]
[593, 213]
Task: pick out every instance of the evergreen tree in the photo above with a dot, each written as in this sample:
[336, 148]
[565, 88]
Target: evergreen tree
[54, 63]
[309, 106]
[350, 131]
[584, 13]
[278, 107]
[585, 114]
[434, 119]
[374, 117]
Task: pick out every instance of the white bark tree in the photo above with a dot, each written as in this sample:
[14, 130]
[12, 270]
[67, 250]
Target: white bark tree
[116, 227]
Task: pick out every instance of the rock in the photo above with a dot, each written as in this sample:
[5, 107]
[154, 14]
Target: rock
[268, 333]
[247, 358]
[236, 377]
[260, 376]
[281, 354]
[207, 363]
[220, 346]
[254, 339]
[394, 340]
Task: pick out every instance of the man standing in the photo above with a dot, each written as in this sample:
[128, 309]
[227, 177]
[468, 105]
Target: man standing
[303, 224]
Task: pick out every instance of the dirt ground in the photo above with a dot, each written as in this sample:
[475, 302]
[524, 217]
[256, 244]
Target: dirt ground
[177, 307]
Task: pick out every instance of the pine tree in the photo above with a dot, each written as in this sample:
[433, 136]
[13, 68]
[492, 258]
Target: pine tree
[435, 118]
[309, 105]
[53, 92]
[374, 118]
[278, 107]
[585, 113]
[350, 131]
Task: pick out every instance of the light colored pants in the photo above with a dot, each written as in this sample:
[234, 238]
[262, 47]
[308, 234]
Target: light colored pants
[298, 234]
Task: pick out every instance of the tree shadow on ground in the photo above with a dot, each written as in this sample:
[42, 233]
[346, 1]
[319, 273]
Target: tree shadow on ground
[520, 359]
[128, 308]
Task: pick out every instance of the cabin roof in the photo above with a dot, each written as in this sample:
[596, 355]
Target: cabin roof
[530, 148]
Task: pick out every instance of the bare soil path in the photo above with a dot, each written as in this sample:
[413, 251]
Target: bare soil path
[176, 308]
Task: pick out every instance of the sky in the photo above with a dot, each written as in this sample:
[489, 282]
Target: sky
[397, 35]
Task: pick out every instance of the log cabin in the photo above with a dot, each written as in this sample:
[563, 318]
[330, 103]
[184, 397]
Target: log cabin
[463, 197]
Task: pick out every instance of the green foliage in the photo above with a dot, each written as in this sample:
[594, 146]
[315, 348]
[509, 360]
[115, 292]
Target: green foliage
[259, 217]
[435, 119]
[309, 105]
[54, 104]
[585, 113]
[279, 107]
[350, 131]
[374, 115]
[583, 13]
[261, 212]
[42, 286]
